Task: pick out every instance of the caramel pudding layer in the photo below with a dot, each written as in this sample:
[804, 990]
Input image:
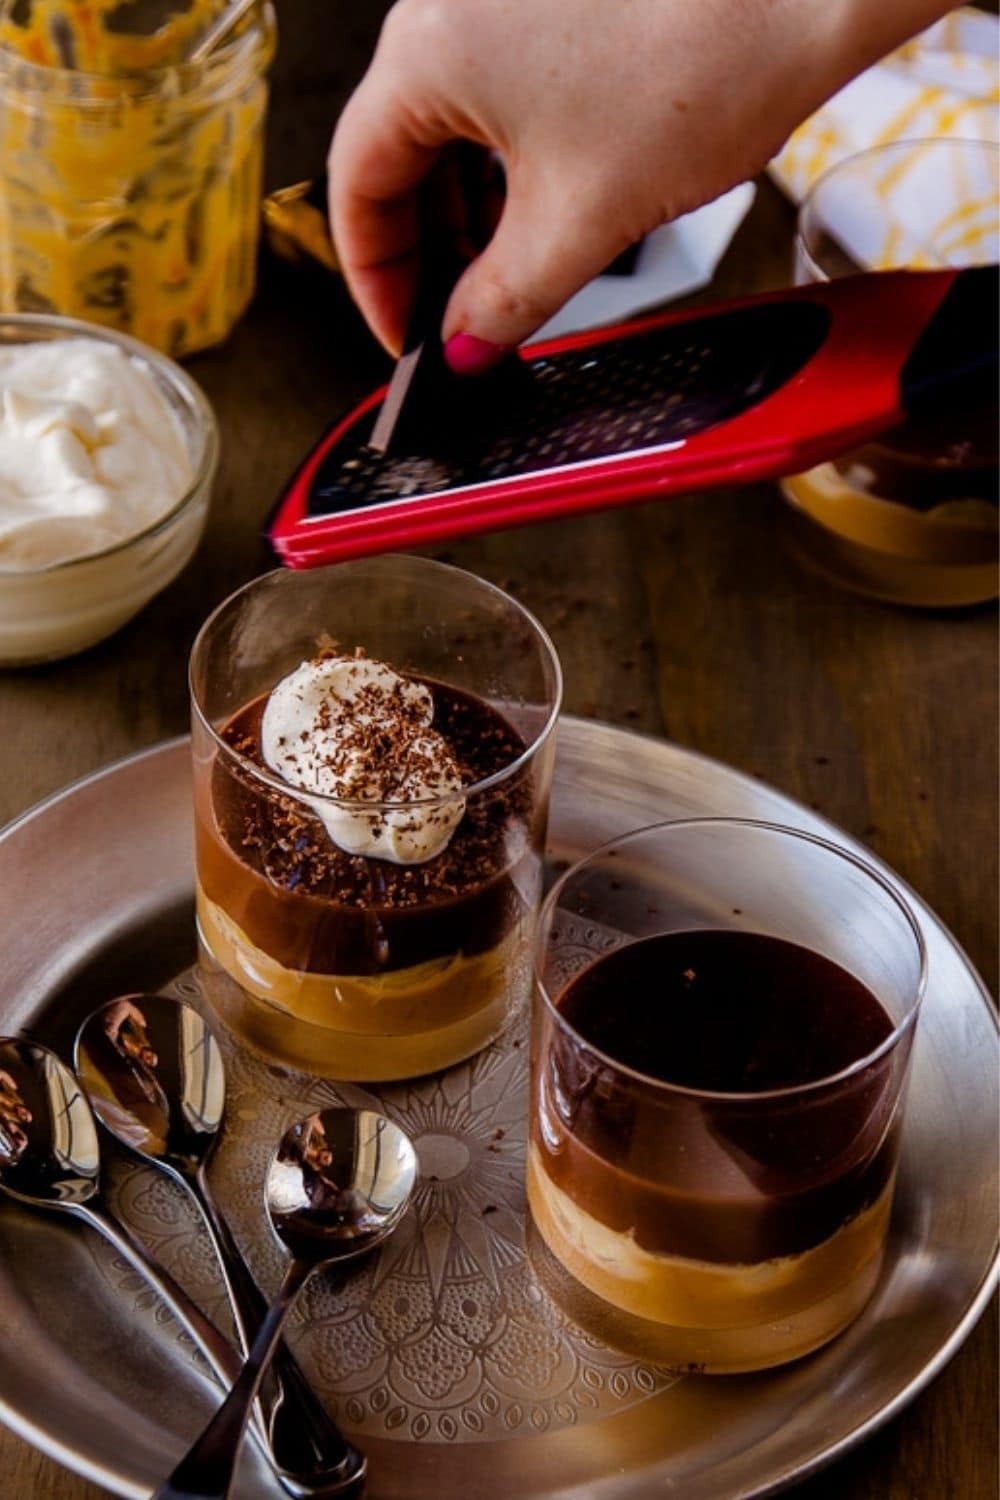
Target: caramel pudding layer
[316, 1046]
[753, 1316]
[691, 1293]
[399, 1002]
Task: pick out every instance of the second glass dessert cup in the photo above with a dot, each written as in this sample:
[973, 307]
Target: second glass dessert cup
[910, 517]
[723, 1026]
[355, 938]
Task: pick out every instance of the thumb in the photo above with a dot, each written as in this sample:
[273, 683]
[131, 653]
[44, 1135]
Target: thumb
[540, 254]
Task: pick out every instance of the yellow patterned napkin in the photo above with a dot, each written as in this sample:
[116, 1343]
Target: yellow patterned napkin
[945, 83]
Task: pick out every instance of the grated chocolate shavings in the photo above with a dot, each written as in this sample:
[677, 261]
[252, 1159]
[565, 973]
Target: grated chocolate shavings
[281, 837]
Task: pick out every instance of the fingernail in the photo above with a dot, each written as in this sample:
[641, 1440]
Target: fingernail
[468, 355]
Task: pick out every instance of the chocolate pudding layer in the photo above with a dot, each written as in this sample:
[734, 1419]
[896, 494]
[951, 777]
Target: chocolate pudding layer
[266, 860]
[724, 1217]
[735, 1013]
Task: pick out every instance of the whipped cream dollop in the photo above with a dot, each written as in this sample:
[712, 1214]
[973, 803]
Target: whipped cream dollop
[90, 451]
[352, 728]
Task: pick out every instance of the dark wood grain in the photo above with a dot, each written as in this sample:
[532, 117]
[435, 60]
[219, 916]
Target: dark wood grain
[691, 619]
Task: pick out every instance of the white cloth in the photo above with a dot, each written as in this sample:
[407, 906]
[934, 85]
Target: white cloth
[675, 259]
[913, 205]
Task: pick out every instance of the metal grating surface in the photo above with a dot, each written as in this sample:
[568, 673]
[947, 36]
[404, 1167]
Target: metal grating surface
[644, 391]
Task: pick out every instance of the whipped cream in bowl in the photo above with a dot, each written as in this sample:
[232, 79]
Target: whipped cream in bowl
[107, 453]
[360, 735]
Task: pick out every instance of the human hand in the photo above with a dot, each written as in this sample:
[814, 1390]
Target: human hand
[611, 118]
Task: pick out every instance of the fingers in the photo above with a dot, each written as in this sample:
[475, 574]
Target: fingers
[547, 244]
[376, 166]
[546, 247]
[560, 224]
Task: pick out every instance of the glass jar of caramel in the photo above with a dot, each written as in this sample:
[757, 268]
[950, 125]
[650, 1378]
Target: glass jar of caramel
[130, 177]
[912, 517]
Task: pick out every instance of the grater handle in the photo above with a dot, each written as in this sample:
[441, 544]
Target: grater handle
[423, 391]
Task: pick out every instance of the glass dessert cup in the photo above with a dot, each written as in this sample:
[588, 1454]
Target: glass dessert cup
[706, 1226]
[342, 963]
[911, 517]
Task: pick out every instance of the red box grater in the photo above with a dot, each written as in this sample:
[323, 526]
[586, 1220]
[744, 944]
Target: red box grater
[743, 391]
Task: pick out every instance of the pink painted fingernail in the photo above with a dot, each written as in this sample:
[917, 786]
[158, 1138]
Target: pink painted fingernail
[468, 355]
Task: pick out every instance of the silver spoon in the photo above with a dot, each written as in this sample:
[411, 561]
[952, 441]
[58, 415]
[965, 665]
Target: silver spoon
[222, 27]
[155, 1077]
[50, 1159]
[338, 1185]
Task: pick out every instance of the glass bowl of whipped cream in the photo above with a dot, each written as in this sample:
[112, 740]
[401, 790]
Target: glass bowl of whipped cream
[107, 455]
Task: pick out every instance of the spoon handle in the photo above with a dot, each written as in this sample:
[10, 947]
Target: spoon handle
[220, 28]
[206, 1470]
[224, 1359]
[310, 1452]
[221, 1355]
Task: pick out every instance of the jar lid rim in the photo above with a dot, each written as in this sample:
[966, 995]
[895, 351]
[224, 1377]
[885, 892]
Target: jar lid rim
[84, 88]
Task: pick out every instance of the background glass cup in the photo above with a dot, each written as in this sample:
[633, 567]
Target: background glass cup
[912, 517]
[363, 987]
[717, 1231]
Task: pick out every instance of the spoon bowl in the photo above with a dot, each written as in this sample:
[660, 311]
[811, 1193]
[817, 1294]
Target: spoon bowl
[49, 1151]
[50, 1159]
[155, 1077]
[339, 1183]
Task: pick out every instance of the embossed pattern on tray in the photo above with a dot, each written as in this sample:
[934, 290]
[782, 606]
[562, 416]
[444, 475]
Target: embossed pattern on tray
[445, 1334]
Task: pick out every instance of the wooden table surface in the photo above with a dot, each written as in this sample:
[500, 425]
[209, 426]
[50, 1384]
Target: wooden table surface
[698, 624]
